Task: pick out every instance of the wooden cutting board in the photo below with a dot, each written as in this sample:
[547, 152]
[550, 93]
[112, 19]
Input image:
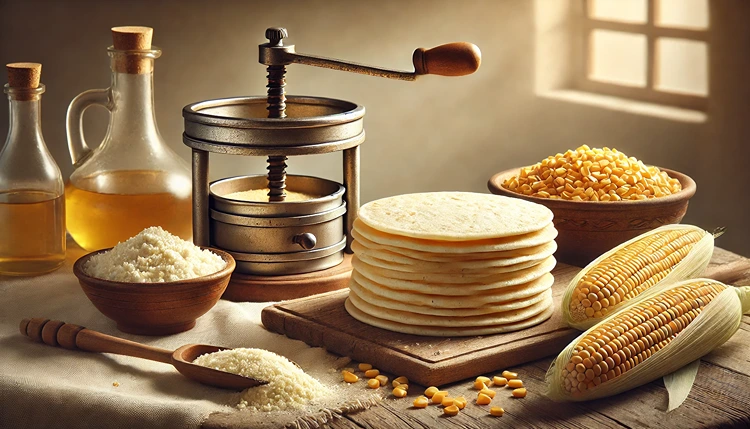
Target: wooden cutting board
[322, 321]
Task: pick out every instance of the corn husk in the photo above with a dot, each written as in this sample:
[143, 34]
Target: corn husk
[693, 265]
[679, 383]
[716, 323]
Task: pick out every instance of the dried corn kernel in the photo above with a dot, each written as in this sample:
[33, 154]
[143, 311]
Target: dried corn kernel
[373, 383]
[515, 384]
[382, 379]
[497, 411]
[447, 401]
[460, 402]
[484, 380]
[479, 385]
[401, 380]
[349, 377]
[483, 399]
[499, 381]
[403, 386]
[431, 391]
[420, 402]
[519, 393]
[399, 392]
[586, 174]
[489, 392]
[372, 373]
[451, 410]
[510, 375]
[365, 366]
[438, 397]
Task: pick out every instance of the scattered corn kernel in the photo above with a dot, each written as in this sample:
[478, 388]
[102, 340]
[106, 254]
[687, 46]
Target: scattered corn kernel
[483, 399]
[460, 402]
[510, 375]
[489, 392]
[519, 393]
[349, 377]
[438, 397]
[499, 381]
[372, 373]
[497, 411]
[421, 402]
[401, 380]
[447, 401]
[373, 383]
[485, 380]
[479, 385]
[431, 391]
[399, 392]
[515, 383]
[365, 367]
[451, 410]
[404, 386]
[382, 379]
[115, 384]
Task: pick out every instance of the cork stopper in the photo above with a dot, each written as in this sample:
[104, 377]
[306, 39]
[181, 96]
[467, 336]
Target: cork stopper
[24, 75]
[132, 38]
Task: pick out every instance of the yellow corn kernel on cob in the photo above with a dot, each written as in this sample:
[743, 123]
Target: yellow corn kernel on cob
[648, 339]
[664, 255]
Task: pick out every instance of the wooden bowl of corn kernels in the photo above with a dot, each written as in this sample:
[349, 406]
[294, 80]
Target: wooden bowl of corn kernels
[587, 229]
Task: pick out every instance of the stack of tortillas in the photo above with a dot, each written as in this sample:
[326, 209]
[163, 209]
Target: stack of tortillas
[452, 264]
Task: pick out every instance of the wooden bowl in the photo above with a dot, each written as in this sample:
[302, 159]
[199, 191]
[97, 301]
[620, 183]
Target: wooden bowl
[155, 308]
[588, 229]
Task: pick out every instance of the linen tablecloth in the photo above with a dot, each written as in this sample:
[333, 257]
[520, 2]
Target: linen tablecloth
[43, 386]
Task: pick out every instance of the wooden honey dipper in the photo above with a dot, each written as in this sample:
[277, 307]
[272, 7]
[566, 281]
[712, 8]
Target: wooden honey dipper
[73, 337]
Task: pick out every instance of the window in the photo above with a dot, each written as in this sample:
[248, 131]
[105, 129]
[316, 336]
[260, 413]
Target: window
[648, 50]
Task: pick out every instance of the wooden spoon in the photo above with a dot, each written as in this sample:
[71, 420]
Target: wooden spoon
[74, 337]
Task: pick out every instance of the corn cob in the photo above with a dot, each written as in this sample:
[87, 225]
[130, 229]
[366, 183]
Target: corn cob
[649, 338]
[665, 255]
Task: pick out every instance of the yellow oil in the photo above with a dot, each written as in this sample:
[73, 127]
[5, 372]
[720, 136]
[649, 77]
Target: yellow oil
[32, 232]
[111, 207]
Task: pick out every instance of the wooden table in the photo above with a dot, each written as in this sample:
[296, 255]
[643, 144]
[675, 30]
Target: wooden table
[719, 398]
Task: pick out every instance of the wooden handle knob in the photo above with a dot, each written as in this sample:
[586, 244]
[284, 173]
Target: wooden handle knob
[51, 332]
[452, 59]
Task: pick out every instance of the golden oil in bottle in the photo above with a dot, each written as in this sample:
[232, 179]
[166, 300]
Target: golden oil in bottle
[111, 207]
[32, 232]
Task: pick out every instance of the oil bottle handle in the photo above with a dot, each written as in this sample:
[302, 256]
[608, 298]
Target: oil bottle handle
[76, 141]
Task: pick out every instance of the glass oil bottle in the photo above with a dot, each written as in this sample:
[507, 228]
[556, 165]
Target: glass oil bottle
[32, 206]
[133, 180]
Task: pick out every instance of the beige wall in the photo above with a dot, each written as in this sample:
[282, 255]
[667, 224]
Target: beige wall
[434, 134]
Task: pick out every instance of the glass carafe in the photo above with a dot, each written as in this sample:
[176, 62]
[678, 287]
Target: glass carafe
[32, 207]
[133, 180]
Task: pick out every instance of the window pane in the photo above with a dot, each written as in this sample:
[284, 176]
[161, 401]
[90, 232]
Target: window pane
[634, 11]
[682, 13]
[682, 66]
[618, 57]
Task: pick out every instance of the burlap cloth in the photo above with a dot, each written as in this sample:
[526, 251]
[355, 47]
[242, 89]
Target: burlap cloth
[43, 386]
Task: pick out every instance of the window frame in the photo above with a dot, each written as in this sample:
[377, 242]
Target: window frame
[582, 53]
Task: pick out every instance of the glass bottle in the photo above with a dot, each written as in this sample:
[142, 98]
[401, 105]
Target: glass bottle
[133, 180]
[32, 206]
